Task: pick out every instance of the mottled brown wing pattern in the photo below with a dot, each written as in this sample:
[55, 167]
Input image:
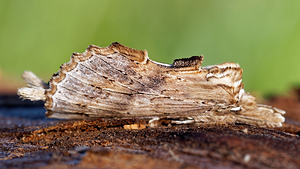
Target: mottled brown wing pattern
[117, 81]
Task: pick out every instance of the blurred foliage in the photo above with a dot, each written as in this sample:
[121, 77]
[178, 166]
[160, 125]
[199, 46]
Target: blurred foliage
[262, 36]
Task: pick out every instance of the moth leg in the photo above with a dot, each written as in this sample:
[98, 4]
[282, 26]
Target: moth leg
[167, 121]
[154, 122]
[188, 120]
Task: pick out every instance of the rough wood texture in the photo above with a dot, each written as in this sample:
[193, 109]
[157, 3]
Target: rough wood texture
[118, 81]
[29, 140]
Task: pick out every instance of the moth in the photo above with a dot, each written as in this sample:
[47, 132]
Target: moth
[121, 82]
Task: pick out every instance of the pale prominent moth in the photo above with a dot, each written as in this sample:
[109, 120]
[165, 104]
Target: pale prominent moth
[117, 81]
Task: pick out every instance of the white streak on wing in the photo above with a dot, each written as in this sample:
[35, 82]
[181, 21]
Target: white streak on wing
[183, 121]
[220, 75]
[222, 66]
[162, 64]
[208, 67]
[241, 93]
[154, 119]
[235, 109]
[237, 83]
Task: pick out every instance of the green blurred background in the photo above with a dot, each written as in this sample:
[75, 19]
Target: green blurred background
[262, 36]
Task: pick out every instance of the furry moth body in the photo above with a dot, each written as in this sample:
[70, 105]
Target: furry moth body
[117, 81]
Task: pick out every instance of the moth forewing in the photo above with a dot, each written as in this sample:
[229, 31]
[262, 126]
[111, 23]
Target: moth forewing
[117, 81]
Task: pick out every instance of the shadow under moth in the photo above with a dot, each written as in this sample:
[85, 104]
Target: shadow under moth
[121, 82]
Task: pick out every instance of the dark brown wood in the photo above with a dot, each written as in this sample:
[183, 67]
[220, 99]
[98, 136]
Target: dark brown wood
[30, 142]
